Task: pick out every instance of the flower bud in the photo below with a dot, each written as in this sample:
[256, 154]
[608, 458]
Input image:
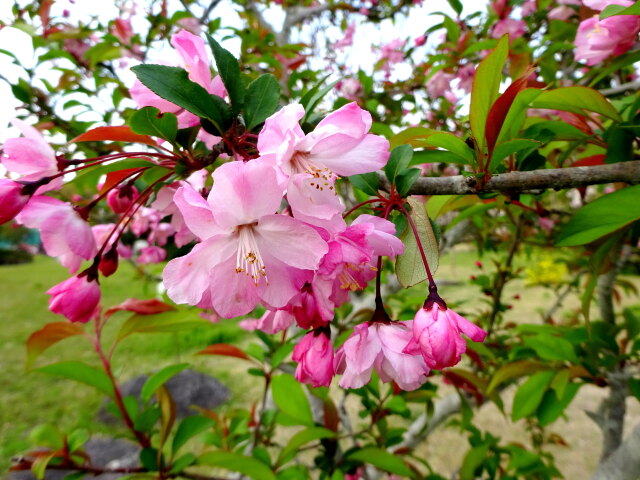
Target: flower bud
[76, 298]
[11, 199]
[120, 199]
[314, 354]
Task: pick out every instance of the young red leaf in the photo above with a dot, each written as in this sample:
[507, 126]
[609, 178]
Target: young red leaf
[142, 307]
[114, 178]
[114, 134]
[49, 335]
[224, 349]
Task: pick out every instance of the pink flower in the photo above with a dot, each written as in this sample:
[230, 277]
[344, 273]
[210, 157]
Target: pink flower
[120, 199]
[347, 41]
[380, 346]
[76, 298]
[351, 88]
[30, 156]
[391, 54]
[12, 201]
[597, 39]
[515, 28]
[439, 84]
[122, 30]
[436, 335]
[272, 321]
[561, 12]
[151, 254]
[529, 7]
[419, 41]
[313, 306]
[465, 76]
[248, 253]
[602, 4]
[64, 233]
[314, 354]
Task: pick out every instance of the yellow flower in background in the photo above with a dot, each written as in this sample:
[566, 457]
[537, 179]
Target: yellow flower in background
[546, 271]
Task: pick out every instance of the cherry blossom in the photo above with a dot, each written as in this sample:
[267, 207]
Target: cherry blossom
[76, 298]
[12, 201]
[314, 354]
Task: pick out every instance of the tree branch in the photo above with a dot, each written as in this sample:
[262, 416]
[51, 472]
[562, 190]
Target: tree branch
[519, 182]
[624, 462]
[621, 88]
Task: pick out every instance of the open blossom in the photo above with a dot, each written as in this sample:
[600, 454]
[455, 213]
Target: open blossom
[248, 253]
[151, 254]
[439, 84]
[598, 39]
[391, 53]
[515, 28]
[436, 335]
[76, 298]
[64, 233]
[381, 346]
[314, 354]
[12, 201]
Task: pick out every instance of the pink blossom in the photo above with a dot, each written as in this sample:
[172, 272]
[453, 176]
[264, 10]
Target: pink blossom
[151, 254]
[439, 84]
[272, 321]
[436, 335]
[191, 24]
[561, 12]
[602, 4]
[347, 40]
[248, 254]
[64, 233]
[313, 306]
[381, 346]
[30, 156]
[529, 7]
[350, 88]
[419, 41]
[120, 199]
[314, 354]
[12, 201]
[76, 298]
[598, 39]
[465, 76]
[515, 28]
[122, 30]
[391, 54]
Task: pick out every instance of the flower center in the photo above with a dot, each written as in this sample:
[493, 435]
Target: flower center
[324, 178]
[248, 258]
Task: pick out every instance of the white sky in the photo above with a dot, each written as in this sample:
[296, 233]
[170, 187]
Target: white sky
[360, 55]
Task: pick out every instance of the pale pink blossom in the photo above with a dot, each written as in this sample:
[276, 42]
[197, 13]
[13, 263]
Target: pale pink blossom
[465, 76]
[602, 4]
[76, 298]
[598, 39]
[439, 84]
[347, 40]
[529, 7]
[390, 54]
[314, 354]
[380, 346]
[249, 253]
[351, 88]
[271, 321]
[65, 234]
[437, 336]
[12, 201]
[562, 13]
[151, 254]
[515, 28]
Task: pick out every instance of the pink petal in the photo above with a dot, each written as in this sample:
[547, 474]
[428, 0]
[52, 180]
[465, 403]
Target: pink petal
[368, 155]
[196, 212]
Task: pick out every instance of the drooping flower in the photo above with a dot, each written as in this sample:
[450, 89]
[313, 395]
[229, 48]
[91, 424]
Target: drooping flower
[248, 253]
[76, 298]
[437, 336]
[314, 354]
[65, 234]
[12, 201]
[380, 346]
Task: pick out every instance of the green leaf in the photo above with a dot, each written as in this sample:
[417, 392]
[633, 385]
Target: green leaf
[189, 428]
[398, 161]
[311, 99]
[163, 322]
[529, 394]
[382, 459]
[550, 347]
[513, 370]
[578, 100]
[261, 100]
[553, 404]
[367, 182]
[80, 372]
[302, 437]
[510, 147]
[486, 87]
[238, 463]
[291, 399]
[150, 121]
[453, 144]
[612, 10]
[456, 5]
[472, 460]
[406, 179]
[409, 266]
[631, 323]
[173, 84]
[158, 379]
[229, 71]
[601, 217]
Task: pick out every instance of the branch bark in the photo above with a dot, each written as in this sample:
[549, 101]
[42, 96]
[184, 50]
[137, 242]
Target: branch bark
[621, 88]
[520, 182]
[624, 462]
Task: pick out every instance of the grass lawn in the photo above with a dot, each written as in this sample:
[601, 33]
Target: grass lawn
[31, 398]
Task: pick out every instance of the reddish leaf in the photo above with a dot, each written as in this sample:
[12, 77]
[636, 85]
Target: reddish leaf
[141, 307]
[224, 349]
[500, 108]
[114, 134]
[45, 8]
[590, 161]
[331, 416]
[579, 121]
[113, 178]
[49, 335]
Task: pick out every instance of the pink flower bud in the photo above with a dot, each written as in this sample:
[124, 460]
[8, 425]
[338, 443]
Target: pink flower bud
[76, 298]
[314, 354]
[120, 199]
[11, 200]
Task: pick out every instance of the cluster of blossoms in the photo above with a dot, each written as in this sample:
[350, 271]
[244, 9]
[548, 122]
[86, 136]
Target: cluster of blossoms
[270, 232]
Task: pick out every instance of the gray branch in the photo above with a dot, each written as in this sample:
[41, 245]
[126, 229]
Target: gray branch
[624, 462]
[621, 88]
[519, 182]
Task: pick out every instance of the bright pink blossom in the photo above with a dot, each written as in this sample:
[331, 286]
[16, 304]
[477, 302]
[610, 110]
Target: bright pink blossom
[64, 233]
[380, 346]
[598, 39]
[12, 201]
[314, 354]
[120, 199]
[436, 335]
[248, 253]
[76, 298]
